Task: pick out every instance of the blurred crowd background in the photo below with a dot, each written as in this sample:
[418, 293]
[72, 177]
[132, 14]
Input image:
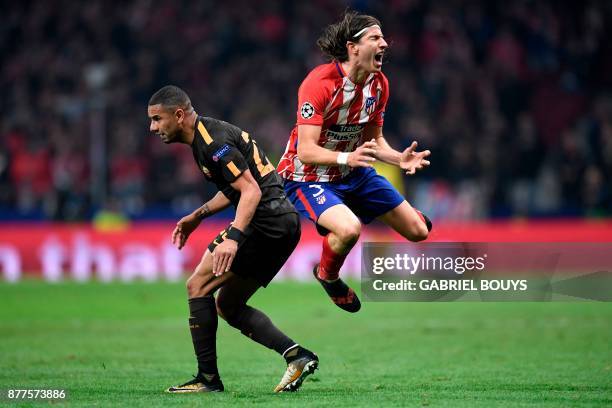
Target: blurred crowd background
[514, 98]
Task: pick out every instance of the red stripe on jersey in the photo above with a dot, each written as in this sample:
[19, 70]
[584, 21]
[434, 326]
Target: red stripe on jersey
[310, 173]
[304, 201]
[334, 108]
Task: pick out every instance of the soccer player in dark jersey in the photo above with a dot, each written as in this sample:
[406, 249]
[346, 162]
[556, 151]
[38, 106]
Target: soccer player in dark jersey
[338, 134]
[244, 256]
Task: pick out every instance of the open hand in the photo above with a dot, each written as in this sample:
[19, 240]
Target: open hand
[183, 229]
[411, 160]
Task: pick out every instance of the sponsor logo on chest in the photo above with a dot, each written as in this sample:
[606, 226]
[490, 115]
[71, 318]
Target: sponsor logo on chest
[344, 132]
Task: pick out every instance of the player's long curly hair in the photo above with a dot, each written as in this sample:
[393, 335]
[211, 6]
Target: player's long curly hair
[335, 36]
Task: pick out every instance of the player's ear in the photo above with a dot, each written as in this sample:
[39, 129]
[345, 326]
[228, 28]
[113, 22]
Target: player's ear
[351, 48]
[179, 115]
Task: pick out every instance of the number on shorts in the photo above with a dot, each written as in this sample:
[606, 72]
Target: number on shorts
[319, 192]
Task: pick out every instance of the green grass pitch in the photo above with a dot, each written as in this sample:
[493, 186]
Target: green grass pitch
[122, 344]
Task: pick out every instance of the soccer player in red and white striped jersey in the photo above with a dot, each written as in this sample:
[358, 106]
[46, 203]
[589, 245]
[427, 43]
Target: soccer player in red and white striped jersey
[327, 165]
[329, 99]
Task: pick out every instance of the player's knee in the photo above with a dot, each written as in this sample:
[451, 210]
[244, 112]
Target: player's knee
[422, 233]
[191, 289]
[418, 231]
[194, 288]
[349, 233]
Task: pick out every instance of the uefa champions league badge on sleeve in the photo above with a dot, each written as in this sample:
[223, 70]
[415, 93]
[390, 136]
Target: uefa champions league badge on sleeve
[479, 271]
[307, 110]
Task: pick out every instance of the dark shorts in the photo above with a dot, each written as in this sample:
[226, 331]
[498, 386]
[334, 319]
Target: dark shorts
[366, 193]
[266, 248]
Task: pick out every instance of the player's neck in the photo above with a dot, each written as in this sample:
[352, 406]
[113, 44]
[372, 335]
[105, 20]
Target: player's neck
[356, 74]
[190, 125]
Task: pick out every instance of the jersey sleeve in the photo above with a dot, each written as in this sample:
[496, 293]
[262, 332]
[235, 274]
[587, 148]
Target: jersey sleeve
[233, 165]
[383, 96]
[229, 161]
[313, 97]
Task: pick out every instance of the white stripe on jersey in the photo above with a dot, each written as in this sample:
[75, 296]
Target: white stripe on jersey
[298, 166]
[348, 92]
[364, 116]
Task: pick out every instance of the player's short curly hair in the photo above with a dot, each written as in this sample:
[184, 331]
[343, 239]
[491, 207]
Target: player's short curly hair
[171, 96]
[335, 36]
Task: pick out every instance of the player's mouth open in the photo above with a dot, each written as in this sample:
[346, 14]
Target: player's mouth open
[378, 58]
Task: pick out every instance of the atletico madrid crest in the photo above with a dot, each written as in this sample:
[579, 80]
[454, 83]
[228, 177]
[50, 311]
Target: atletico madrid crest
[370, 104]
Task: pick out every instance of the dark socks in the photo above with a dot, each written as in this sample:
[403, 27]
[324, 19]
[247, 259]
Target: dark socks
[258, 327]
[203, 323]
[293, 353]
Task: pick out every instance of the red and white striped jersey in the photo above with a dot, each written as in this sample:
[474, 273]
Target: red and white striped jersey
[327, 97]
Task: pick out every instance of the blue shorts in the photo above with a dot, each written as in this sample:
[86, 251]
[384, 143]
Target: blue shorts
[366, 193]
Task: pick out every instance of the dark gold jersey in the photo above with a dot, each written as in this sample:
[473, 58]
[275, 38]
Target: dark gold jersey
[223, 152]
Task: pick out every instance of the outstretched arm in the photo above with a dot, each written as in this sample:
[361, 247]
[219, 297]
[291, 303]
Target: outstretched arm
[409, 160]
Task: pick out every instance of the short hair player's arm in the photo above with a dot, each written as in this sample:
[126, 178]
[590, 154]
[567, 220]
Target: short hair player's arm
[250, 194]
[228, 162]
[218, 203]
[235, 170]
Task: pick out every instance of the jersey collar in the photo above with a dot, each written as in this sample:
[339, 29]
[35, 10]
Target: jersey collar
[343, 75]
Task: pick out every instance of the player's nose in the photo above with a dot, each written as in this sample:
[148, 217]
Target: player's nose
[153, 127]
[383, 44]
